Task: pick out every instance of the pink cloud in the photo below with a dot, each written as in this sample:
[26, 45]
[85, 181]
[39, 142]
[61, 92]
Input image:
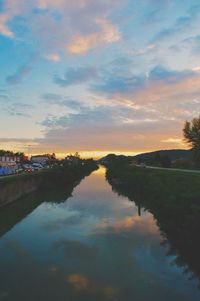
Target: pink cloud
[83, 24]
[81, 44]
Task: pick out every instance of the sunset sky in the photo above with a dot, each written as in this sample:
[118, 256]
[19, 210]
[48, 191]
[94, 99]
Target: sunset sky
[98, 76]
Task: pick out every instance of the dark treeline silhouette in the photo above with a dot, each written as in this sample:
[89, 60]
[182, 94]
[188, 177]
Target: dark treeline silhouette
[175, 158]
[165, 158]
[191, 132]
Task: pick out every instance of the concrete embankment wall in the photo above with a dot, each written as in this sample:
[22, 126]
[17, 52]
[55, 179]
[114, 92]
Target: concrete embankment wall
[13, 189]
[55, 184]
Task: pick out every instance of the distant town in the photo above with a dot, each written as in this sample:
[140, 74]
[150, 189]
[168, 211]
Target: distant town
[15, 163]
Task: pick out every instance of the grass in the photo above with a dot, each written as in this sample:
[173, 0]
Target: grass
[175, 184]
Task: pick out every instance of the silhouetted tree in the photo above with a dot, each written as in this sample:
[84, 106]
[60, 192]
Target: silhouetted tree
[77, 155]
[191, 133]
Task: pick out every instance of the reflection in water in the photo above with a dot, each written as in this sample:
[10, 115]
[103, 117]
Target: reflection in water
[58, 191]
[176, 213]
[94, 246]
[80, 284]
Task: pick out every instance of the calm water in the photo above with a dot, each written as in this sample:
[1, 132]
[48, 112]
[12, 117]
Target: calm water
[93, 246]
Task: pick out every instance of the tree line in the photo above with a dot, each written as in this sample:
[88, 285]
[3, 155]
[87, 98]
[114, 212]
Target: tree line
[191, 132]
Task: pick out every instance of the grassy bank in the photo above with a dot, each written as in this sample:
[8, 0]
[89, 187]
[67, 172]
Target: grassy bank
[174, 200]
[173, 184]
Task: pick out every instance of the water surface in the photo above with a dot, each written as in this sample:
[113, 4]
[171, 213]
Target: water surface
[92, 246]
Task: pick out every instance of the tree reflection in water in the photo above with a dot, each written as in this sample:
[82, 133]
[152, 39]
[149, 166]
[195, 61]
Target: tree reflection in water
[55, 187]
[175, 209]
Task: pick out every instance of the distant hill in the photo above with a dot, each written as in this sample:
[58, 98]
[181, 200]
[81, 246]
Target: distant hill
[173, 154]
[110, 157]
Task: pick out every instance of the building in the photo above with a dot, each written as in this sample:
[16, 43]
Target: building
[72, 160]
[8, 165]
[42, 159]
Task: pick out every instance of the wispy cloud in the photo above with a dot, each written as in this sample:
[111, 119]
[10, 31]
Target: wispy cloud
[19, 76]
[54, 57]
[19, 109]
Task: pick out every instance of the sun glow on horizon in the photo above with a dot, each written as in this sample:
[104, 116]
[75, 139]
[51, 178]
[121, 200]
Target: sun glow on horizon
[90, 154]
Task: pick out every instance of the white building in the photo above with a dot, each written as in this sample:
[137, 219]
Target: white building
[42, 159]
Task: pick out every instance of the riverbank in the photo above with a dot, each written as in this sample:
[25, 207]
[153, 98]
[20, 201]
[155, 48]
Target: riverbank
[177, 182]
[15, 187]
[173, 197]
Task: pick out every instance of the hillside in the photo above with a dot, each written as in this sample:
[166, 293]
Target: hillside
[172, 154]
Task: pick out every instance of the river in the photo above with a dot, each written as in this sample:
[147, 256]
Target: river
[94, 246]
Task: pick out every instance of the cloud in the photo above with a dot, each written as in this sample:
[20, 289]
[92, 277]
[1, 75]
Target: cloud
[19, 109]
[145, 226]
[160, 73]
[99, 116]
[76, 76]
[4, 98]
[130, 91]
[119, 84]
[113, 127]
[73, 218]
[75, 249]
[153, 105]
[10, 9]
[192, 43]
[75, 27]
[23, 70]
[136, 137]
[86, 116]
[4, 30]
[174, 140]
[52, 97]
[62, 101]
[155, 10]
[81, 44]
[20, 75]
[54, 57]
[81, 283]
[111, 83]
[180, 26]
[18, 144]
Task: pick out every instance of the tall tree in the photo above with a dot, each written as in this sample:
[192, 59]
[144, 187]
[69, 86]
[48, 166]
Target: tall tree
[191, 133]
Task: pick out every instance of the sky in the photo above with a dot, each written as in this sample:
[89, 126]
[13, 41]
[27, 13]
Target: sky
[98, 76]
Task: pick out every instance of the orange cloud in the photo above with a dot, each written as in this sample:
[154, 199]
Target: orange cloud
[81, 44]
[11, 8]
[81, 283]
[76, 39]
[145, 226]
[4, 30]
[174, 140]
[54, 57]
